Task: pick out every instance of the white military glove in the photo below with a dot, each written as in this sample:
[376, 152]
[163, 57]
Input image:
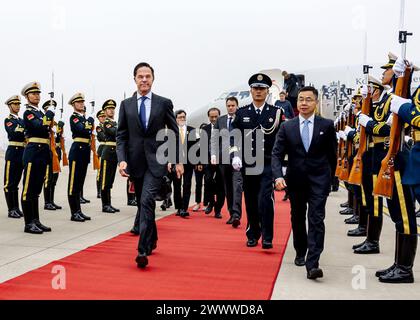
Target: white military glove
[213, 159]
[408, 139]
[236, 163]
[364, 119]
[397, 102]
[347, 108]
[347, 130]
[365, 90]
[337, 135]
[342, 135]
[399, 67]
[389, 120]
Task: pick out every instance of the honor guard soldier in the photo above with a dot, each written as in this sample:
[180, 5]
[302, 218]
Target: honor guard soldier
[14, 166]
[79, 156]
[109, 160]
[264, 119]
[36, 157]
[83, 200]
[100, 136]
[50, 176]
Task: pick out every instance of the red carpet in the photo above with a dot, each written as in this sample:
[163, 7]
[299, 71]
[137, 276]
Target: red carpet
[197, 258]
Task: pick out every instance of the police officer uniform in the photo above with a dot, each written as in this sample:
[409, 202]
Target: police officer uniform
[36, 157]
[109, 160]
[50, 176]
[14, 167]
[263, 124]
[100, 136]
[79, 158]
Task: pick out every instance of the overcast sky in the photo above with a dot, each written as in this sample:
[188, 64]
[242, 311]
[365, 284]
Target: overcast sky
[198, 48]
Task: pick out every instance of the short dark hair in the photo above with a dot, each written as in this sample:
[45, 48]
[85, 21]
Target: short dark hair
[232, 99]
[178, 112]
[311, 89]
[213, 109]
[141, 65]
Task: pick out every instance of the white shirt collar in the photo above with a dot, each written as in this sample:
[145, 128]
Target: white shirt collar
[36, 108]
[260, 108]
[231, 116]
[148, 96]
[311, 119]
[78, 113]
[14, 116]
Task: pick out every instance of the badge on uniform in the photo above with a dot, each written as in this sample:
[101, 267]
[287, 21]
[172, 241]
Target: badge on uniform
[270, 120]
[321, 133]
[9, 124]
[30, 116]
[108, 126]
[247, 119]
[75, 120]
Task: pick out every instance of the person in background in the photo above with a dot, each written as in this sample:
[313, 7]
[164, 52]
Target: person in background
[285, 105]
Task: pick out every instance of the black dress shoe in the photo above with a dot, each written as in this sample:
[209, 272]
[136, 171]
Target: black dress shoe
[267, 244]
[14, 214]
[135, 230]
[252, 243]
[115, 209]
[49, 206]
[77, 217]
[385, 271]
[236, 222]
[84, 216]
[344, 205]
[19, 212]
[184, 213]
[315, 273]
[360, 231]
[178, 212]
[32, 228]
[230, 221]
[300, 261]
[347, 211]
[57, 206]
[142, 260]
[358, 245]
[208, 210]
[286, 197]
[84, 200]
[41, 226]
[98, 195]
[108, 209]
[399, 274]
[352, 220]
[163, 207]
[218, 215]
[369, 247]
[132, 203]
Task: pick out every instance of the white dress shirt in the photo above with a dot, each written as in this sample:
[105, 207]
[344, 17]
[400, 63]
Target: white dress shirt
[227, 120]
[311, 120]
[147, 103]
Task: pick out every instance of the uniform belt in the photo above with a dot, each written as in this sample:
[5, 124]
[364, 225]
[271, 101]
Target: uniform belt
[110, 143]
[380, 139]
[416, 135]
[16, 144]
[83, 140]
[101, 143]
[39, 140]
[371, 145]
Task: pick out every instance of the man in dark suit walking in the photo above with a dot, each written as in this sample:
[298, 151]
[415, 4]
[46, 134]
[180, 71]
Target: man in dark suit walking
[310, 143]
[141, 117]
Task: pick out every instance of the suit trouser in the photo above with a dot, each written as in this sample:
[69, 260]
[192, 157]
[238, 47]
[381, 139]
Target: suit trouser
[259, 201]
[182, 199]
[233, 189]
[146, 188]
[213, 187]
[308, 198]
[199, 175]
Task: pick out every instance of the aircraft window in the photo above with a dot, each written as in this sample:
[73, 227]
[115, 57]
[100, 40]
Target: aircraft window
[233, 94]
[243, 95]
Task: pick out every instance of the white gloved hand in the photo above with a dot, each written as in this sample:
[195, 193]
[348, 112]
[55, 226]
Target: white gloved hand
[347, 130]
[337, 135]
[364, 119]
[365, 90]
[236, 163]
[347, 108]
[399, 67]
[335, 122]
[397, 102]
[213, 159]
[358, 113]
[342, 135]
[408, 139]
[389, 120]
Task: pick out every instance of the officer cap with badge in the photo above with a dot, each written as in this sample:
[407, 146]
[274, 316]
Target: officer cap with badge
[100, 113]
[31, 87]
[109, 104]
[48, 104]
[392, 58]
[12, 100]
[78, 97]
[375, 83]
[260, 80]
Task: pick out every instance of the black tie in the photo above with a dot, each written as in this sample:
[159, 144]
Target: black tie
[258, 113]
[230, 124]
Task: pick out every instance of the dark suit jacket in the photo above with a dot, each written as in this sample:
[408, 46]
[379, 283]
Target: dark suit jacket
[216, 140]
[190, 140]
[206, 129]
[316, 166]
[138, 146]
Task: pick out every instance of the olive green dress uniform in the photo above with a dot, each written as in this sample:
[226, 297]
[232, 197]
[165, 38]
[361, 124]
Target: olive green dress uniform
[36, 157]
[100, 136]
[14, 166]
[79, 158]
[109, 161]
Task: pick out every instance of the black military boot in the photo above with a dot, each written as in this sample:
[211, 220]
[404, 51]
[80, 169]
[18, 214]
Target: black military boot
[30, 226]
[109, 199]
[98, 189]
[35, 210]
[10, 206]
[349, 209]
[371, 244]
[52, 199]
[360, 231]
[82, 199]
[406, 248]
[47, 199]
[385, 271]
[106, 202]
[74, 203]
[344, 204]
[354, 219]
[15, 199]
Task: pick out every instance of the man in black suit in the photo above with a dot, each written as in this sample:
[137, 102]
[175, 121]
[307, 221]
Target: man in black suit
[310, 143]
[141, 117]
[187, 139]
[232, 179]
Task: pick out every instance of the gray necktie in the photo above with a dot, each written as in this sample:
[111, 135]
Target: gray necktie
[305, 134]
